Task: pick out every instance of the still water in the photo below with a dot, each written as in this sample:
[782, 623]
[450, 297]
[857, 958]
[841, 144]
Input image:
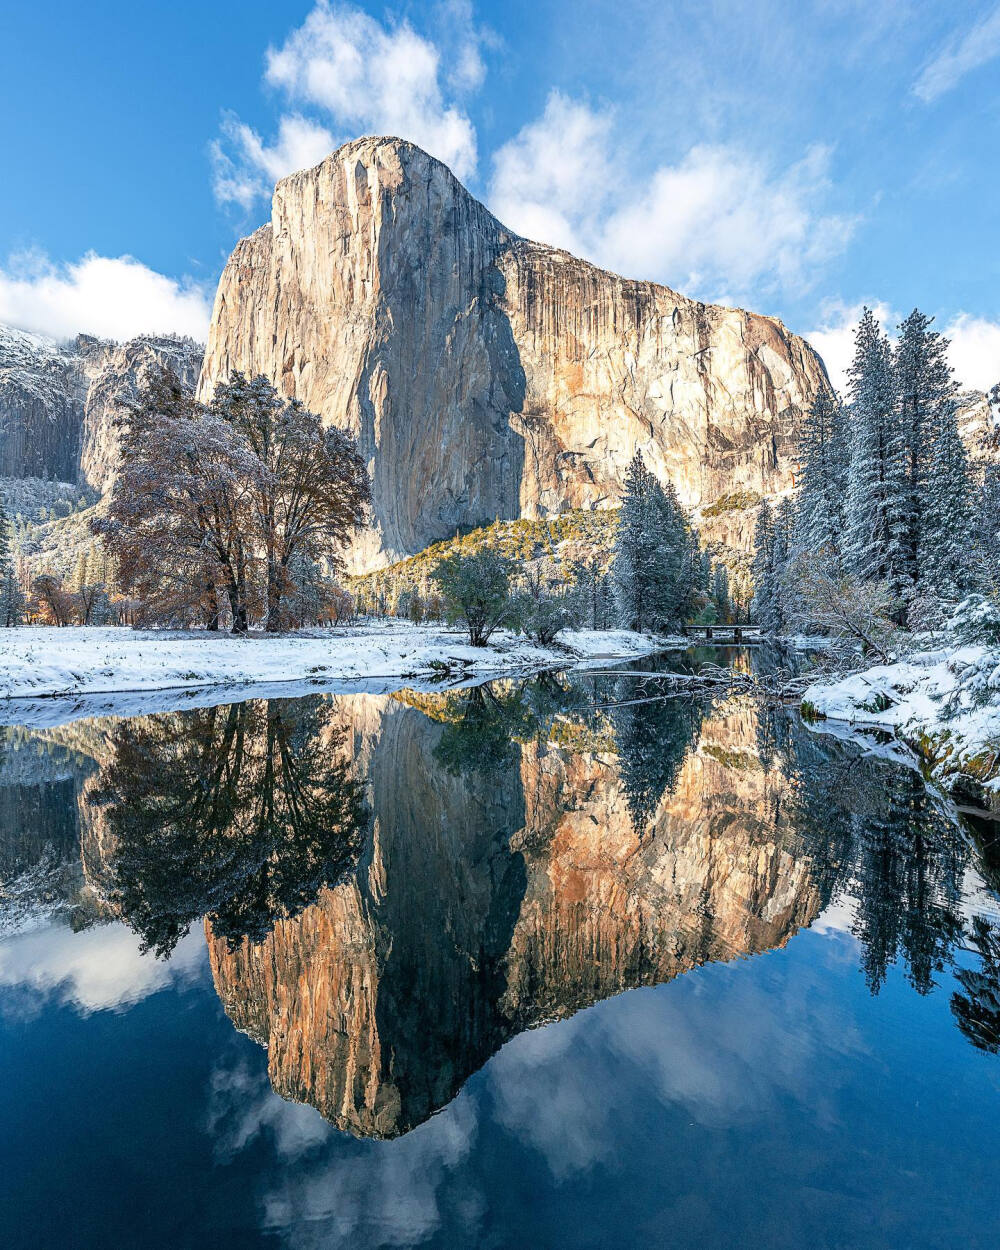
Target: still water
[534, 964]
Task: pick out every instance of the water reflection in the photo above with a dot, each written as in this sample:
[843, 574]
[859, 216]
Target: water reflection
[396, 885]
[241, 813]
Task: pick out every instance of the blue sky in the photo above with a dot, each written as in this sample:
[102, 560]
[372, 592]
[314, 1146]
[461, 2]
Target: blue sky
[798, 158]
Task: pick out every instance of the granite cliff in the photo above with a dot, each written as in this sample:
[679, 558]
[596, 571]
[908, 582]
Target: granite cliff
[486, 375]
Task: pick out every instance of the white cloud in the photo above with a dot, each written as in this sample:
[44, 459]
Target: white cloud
[111, 296]
[975, 350]
[255, 167]
[959, 57]
[554, 174]
[364, 78]
[974, 353]
[718, 220]
[100, 969]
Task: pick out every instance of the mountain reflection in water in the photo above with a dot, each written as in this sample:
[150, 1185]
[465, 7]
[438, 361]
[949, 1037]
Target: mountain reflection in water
[395, 885]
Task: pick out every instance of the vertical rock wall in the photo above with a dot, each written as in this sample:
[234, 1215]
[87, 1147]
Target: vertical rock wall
[486, 376]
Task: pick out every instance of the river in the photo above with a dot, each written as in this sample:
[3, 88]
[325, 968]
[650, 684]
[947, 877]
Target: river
[537, 963]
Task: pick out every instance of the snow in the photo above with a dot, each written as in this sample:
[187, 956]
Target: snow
[950, 694]
[83, 662]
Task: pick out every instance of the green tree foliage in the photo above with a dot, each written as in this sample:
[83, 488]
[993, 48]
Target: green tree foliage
[476, 590]
[658, 570]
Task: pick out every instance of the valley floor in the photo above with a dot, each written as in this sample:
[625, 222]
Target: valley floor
[38, 661]
[944, 703]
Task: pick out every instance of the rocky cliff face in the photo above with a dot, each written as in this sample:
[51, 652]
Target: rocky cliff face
[487, 376]
[124, 370]
[58, 401]
[489, 903]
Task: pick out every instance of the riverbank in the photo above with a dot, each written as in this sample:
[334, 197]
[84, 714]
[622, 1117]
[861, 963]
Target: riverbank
[944, 704]
[37, 661]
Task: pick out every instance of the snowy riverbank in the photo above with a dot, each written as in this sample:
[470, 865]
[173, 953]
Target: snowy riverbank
[943, 703]
[40, 662]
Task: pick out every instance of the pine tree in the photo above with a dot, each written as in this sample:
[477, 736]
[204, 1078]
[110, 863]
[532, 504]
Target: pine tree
[781, 556]
[658, 569]
[11, 598]
[877, 490]
[764, 608]
[938, 529]
[824, 458]
[719, 593]
[987, 527]
[945, 522]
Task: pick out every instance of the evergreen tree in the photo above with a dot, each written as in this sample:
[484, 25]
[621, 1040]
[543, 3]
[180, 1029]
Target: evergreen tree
[11, 598]
[719, 593]
[772, 538]
[938, 528]
[987, 527]
[762, 606]
[781, 557]
[877, 507]
[945, 518]
[824, 458]
[658, 568]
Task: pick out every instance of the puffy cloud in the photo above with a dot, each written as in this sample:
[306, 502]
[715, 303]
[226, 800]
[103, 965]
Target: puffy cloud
[111, 296]
[974, 353]
[975, 350]
[364, 78]
[100, 969]
[554, 173]
[254, 168]
[960, 56]
[718, 220]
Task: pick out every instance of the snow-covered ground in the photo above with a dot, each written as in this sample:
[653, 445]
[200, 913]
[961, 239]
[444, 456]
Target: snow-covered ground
[85, 661]
[946, 702]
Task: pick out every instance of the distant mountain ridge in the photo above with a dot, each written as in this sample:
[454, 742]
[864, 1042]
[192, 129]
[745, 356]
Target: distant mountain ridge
[58, 400]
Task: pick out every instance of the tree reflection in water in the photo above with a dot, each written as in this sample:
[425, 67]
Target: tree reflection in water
[242, 813]
[652, 740]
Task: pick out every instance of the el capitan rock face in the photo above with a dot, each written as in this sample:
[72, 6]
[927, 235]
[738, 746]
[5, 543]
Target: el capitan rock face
[487, 376]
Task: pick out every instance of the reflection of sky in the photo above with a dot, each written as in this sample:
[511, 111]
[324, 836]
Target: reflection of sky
[99, 969]
[768, 1102]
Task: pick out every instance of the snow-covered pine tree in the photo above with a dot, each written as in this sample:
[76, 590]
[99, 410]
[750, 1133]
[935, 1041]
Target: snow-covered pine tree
[784, 519]
[719, 593]
[926, 393]
[876, 502]
[658, 568]
[987, 527]
[764, 607]
[11, 598]
[823, 457]
[945, 552]
[635, 556]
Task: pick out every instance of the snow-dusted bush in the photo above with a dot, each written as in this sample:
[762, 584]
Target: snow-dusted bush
[976, 620]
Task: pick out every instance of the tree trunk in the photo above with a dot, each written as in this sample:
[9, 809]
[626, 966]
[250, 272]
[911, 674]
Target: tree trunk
[273, 621]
